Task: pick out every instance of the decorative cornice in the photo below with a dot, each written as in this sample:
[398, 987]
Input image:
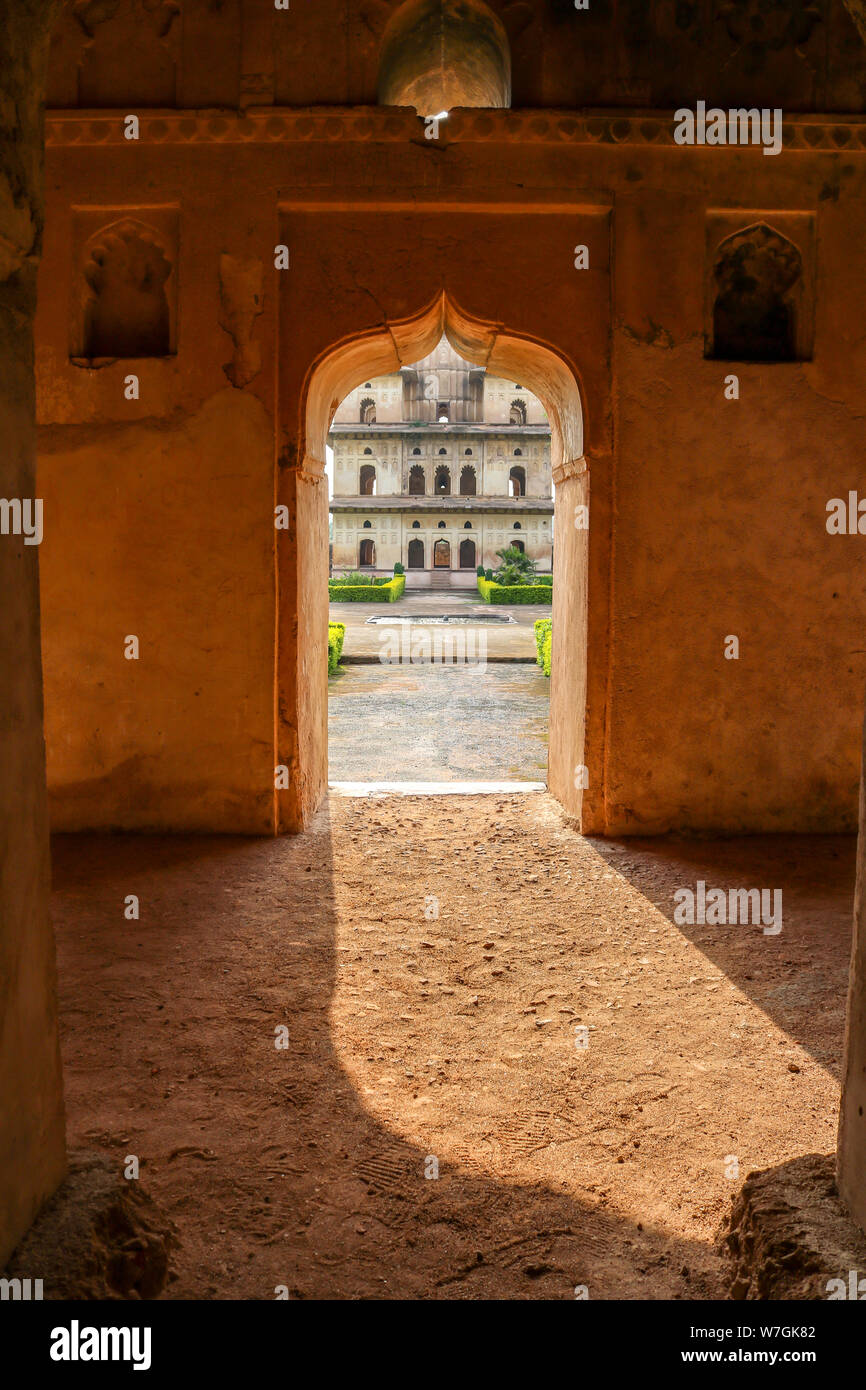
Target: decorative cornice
[373, 124]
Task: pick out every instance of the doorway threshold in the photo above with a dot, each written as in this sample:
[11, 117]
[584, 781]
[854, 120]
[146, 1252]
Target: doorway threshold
[433, 788]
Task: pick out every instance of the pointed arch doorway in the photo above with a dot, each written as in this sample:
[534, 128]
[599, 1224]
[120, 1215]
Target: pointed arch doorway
[442, 555]
[576, 768]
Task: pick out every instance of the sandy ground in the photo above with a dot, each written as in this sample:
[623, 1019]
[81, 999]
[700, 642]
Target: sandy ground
[414, 1036]
[439, 723]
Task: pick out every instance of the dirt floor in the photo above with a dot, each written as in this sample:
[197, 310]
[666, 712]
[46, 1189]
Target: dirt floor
[414, 1037]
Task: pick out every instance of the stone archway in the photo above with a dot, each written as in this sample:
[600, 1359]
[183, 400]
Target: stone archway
[442, 554]
[576, 773]
[442, 53]
[467, 554]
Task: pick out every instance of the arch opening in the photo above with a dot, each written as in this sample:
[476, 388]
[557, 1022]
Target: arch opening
[126, 310]
[758, 274]
[442, 554]
[467, 554]
[547, 373]
[442, 481]
[437, 54]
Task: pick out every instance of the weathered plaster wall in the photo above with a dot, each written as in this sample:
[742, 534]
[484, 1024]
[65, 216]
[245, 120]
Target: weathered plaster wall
[159, 515]
[162, 529]
[721, 530]
[708, 516]
[655, 53]
[32, 1144]
[851, 1155]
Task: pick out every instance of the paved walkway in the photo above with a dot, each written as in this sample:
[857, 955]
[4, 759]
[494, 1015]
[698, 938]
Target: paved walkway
[508, 641]
[438, 723]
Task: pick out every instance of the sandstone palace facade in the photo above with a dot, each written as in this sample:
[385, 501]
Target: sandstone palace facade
[438, 467]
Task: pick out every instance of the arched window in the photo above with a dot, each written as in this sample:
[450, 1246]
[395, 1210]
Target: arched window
[517, 413]
[416, 553]
[368, 411]
[517, 526]
[416, 451]
[467, 453]
[442, 484]
[441, 525]
[517, 481]
[368, 526]
[467, 526]
[368, 451]
[467, 555]
[126, 311]
[467, 481]
[759, 276]
[416, 526]
[368, 480]
[518, 545]
[366, 554]
[442, 555]
[416, 481]
[518, 453]
[442, 53]
[443, 451]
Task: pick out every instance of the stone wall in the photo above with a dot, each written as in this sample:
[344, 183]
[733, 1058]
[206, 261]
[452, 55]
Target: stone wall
[32, 1146]
[708, 513]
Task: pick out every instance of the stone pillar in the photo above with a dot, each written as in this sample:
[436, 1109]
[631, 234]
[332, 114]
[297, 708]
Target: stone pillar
[851, 1156]
[302, 643]
[32, 1142]
[568, 667]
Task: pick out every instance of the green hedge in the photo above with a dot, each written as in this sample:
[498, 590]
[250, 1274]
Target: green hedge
[543, 631]
[336, 635]
[383, 591]
[492, 592]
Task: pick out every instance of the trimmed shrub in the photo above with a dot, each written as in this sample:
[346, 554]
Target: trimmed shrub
[398, 568]
[480, 571]
[492, 592]
[488, 574]
[383, 591]
[543, 579]
[543, 630]
[336, 635]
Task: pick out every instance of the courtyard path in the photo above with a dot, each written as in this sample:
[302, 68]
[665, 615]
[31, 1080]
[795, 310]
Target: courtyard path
[438, 723]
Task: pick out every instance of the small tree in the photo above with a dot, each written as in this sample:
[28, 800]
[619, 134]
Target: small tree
[480, 571]
[398, 568]
[516, 566]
